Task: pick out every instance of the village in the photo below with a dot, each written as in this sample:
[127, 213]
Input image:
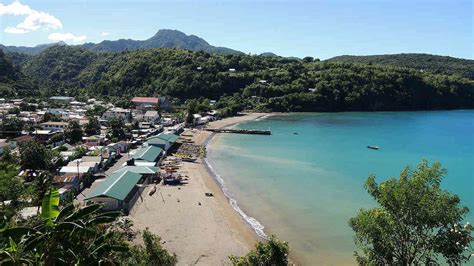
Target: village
[106, 157]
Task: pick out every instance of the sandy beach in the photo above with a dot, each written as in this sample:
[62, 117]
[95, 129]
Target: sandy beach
[201, 230]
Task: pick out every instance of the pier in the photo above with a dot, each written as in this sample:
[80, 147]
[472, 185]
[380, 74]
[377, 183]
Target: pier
[239, 131]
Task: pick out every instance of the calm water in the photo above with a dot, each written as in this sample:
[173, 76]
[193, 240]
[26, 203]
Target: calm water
[305, 187]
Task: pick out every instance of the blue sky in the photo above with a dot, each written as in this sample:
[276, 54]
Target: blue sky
[321, 29]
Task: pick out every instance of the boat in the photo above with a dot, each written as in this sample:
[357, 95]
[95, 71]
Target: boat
[373, 147]
[189, 159]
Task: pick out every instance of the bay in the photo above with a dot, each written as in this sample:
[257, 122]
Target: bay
[305, 181]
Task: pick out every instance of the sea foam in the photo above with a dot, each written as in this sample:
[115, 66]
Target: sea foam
[254, 223]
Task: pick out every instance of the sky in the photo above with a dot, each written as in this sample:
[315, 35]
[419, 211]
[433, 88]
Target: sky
[321, 29]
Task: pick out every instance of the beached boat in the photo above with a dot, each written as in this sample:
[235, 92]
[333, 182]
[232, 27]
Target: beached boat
[172, 179]
[373, 147]
[189, 159]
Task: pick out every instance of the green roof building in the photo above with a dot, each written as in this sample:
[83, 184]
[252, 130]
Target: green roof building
[142, 170]
[172, 138]
[148, 153]
[118, 191]
[163, 140]
[160, 143]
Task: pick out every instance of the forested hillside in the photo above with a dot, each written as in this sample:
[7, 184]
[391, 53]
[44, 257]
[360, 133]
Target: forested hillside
[243, 81]
[423, 62]
[12, 81]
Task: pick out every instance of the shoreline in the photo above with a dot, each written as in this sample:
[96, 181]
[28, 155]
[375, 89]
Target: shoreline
[198, 229]
[252, 222]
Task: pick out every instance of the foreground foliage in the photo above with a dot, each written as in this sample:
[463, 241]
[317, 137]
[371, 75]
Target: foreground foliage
[73, 236]
[417, 222]
[271, 252]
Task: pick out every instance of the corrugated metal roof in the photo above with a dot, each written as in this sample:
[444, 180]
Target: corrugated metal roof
[166, 136]
[116, 186]
[149, 153]
[157, 141]
[139, 169]
[145, 100]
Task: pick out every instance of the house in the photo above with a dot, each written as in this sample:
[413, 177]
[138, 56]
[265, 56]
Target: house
[147, 171]
[18, 140]
[145, 103]
[70, 182]
[151, 116]
[73, 169]
[45, 135]
[96, 140]
[119, 147]
[148, 153]
[54, 125]
[163, 140]
[158, 142]
[119, 191]
[92, 164]
[63, 99]
[118, 113]
[94, 159]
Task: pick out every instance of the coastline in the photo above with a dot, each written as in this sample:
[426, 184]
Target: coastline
[200, 230]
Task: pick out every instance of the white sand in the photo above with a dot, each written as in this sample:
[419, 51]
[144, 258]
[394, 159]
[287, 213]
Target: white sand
[203, 234]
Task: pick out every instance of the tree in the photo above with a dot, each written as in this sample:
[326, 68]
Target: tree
[414, 222]
[117, 131]
[79, 152]
[272, 252]
[11, 127]
[92, 126]
[11, 187]
[97, 110]
[34, 156]
[51, 117]
[73, 132]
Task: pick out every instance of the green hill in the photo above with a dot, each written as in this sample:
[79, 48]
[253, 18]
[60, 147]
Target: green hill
[422, 62]
[12, 81]
[256, 82]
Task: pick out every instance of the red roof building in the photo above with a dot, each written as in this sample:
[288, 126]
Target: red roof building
[146, 100]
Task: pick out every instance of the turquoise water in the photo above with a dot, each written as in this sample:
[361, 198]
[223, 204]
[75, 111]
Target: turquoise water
[305, 187]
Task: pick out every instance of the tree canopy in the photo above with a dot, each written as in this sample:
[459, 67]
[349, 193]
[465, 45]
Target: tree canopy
[258, 82]
[415, 223]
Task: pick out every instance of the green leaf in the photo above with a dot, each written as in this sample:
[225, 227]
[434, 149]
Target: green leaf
[65, 212]
[50, 206]
[84, 212]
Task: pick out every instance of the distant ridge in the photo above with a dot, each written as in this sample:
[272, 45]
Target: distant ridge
[29, 50]
[162, 39]
[423, 62]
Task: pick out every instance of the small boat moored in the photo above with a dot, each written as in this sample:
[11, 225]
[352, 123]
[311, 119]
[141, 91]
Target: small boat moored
[373, 147]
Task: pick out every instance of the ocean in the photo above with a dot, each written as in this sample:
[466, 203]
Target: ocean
[305, 181]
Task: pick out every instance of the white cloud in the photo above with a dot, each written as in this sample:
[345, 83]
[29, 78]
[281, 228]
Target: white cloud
[67, 37]
[103, 34]
[33, 21]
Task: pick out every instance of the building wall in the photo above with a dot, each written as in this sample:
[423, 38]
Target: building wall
[110, 204]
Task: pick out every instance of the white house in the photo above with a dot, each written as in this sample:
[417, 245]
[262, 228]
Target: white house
[117, 112]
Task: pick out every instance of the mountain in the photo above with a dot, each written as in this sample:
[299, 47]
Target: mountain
[269, 54]
[162, 39]
[29, 50]
[423, 62]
